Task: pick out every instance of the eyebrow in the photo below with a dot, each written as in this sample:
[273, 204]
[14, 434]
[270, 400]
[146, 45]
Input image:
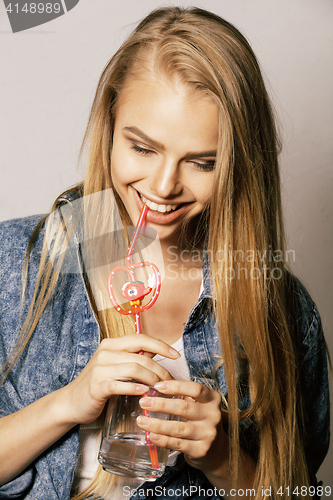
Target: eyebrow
[145, 137]
[158, 145]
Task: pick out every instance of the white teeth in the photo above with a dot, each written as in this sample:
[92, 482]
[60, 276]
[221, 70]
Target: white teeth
[153, 206]
[156, 207]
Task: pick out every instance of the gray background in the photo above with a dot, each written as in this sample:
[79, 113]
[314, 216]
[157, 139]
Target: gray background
[47, 83]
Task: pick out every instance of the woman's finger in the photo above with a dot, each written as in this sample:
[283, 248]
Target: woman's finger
[110, 388]
[171, 428]
[131, 371]
[119, 358]
[198, 392]
[136, 343]
[188, 447]
[185, 409]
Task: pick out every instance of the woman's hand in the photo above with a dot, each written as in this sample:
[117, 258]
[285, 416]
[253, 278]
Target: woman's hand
[199, 434]
[111, 371]
[27, 433]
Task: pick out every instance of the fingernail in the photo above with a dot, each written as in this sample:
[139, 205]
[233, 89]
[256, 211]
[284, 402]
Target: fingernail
[146, 402]
[154, 437]
[174, 352]
[142, 388]
[142, 420]
[161, 386]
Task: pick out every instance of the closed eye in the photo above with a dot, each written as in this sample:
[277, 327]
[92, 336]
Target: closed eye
[207, 166]
[140, 149]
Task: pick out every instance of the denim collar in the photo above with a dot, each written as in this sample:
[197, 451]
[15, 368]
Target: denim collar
[204, 305]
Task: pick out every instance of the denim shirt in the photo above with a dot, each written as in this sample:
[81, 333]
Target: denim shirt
[67, 336]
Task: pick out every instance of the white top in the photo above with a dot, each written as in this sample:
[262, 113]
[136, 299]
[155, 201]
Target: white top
[177, 368]
[89, 434]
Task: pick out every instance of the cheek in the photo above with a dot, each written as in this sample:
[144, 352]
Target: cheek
[124, 168]
[203, 190]
[118, 172]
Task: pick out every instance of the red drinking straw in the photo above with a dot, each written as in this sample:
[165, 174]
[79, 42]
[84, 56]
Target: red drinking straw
[138, 308]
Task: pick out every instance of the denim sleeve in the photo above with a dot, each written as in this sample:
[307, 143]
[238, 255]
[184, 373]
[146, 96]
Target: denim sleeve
[313, 381]
[13, 240]
[10, 402]
[18, 487]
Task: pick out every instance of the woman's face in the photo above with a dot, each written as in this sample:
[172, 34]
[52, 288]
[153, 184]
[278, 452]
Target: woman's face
[164, 148]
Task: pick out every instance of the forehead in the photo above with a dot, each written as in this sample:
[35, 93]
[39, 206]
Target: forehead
[169, 111]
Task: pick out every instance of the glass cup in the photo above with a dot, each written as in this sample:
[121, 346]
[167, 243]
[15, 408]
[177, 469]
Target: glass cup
[125, 448]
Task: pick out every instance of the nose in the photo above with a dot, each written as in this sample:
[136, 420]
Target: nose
[165, 181]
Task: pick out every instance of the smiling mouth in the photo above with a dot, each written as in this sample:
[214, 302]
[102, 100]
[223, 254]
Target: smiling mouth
[159, 213]
[156, 207]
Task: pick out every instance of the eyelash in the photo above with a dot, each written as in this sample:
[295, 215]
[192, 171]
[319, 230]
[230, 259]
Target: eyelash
[205, 167]
[142, 151]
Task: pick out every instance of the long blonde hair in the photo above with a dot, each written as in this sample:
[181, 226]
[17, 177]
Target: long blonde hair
[250, 307]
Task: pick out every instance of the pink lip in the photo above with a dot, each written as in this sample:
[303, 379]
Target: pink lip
[157, 217]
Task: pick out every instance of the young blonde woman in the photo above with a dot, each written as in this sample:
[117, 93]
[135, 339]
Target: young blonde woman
[181, 121]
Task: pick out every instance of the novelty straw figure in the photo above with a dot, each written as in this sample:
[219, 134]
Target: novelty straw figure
[135, 291]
